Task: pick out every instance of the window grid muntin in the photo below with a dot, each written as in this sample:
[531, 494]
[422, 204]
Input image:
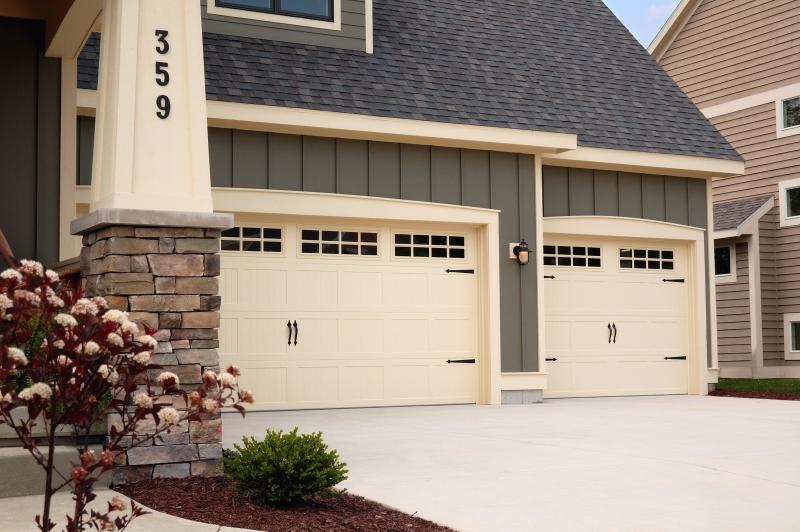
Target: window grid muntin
[338, 242]
[584, 256]
[252, 238]
[274, 9]
[647, 259]
[411, 245]
[790, 110]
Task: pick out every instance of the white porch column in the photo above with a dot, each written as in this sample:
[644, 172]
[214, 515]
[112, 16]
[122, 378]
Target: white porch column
[151, 140]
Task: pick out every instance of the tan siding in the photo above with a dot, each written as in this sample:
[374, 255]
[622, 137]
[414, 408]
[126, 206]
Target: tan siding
[733, 48]
[733, 314]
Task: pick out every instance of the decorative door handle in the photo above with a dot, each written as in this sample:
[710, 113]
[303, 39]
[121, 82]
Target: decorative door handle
[674, 358]
[614, 325]
[295, 333]
[462, 361]
[549, 276]
[460, 271]
[289, 324]
[609, 333]
[551, 359]
[673, 280]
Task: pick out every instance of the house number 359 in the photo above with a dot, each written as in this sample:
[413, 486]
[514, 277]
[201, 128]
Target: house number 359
[162, 102]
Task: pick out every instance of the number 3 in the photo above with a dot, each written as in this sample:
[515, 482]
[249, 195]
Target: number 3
[162, 38]
[162, 102]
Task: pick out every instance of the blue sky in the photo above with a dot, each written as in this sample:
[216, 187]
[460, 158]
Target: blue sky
[643, 18]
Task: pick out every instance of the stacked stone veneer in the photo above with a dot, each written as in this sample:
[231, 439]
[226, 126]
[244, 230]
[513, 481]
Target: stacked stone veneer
[166, 278]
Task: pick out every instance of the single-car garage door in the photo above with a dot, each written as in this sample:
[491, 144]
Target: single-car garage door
[616, 317]
[324, 315]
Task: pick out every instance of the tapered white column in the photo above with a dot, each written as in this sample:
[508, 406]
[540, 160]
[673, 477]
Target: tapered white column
[151, 139]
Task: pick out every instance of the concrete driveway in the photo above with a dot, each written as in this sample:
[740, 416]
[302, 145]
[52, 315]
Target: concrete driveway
[636, 463]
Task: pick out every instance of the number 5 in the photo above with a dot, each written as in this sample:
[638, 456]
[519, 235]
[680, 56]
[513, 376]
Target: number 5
[162, 102]
[160, 70]
[162, 38]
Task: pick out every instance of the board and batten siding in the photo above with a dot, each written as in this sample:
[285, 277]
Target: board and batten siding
[30, 139]
[729, 49]
[733, 315]
[768, 161]
[491, 180]
[352, 36]
[581, 192]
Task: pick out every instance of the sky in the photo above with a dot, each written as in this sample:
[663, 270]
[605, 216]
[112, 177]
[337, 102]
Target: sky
[643, 18]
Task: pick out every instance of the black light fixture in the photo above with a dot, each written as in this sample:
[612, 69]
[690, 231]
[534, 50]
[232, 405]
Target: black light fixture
[523, 253]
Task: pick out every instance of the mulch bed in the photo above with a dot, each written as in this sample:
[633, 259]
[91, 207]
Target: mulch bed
[209, 500]
[752, 394]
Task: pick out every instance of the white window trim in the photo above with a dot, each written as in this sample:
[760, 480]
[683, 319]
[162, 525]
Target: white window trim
[787, 337]
[784, 131]
[335, 25]
[783, 186]
[730, 277]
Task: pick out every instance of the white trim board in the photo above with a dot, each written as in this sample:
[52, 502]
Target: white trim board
[750, 225]
[754, 100]
[670, 30]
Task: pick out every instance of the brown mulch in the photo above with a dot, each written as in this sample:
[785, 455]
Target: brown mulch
[209, 500]
[751, 394]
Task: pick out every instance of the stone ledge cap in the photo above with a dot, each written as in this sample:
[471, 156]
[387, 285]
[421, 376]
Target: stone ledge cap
[103, 218]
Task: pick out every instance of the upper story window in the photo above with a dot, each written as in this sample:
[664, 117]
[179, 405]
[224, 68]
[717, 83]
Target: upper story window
[313, 9]
[792, 202]
[791, 112]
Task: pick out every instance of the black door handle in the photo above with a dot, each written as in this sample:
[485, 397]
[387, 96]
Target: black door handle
[672, 280]
[551, 359]
[549, 276]
[295, 333]
[614, 325]
[463, 361]
[460, 271]
[674, 358]
[609, 333]
[289, 324]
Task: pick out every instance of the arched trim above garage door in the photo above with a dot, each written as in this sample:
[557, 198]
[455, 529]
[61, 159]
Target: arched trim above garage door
[244, 202]
[604, 226]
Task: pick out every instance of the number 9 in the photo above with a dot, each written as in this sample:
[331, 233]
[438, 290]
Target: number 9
[163, 103]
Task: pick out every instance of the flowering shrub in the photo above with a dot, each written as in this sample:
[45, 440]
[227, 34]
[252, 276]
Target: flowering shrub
[79, 361]
[284, 469]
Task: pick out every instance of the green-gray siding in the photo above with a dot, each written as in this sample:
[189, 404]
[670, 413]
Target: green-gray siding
[30, 136]
[352, 36]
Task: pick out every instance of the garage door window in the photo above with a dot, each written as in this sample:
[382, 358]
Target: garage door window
[646, 259]
[429, 246]
[253, 239]
[580, 256]
[331, 242]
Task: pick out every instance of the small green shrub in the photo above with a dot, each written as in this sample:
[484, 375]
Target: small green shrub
[284, 469]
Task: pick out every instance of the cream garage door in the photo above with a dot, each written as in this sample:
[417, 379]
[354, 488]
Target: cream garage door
[331, 315]
[616, 317]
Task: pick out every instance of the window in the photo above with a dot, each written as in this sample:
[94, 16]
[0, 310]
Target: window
[313, 9]
[722, 261]
[316, 241]
[429, 246]
[792, 202]
[646, 259]
[580, 256]
[255, 239]
[794, 334]
[791, 112]
[791, 336]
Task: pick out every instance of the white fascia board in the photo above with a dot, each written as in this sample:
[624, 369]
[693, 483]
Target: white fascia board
[366, 127]
[672, 28]
[645, 162]
[750, 225]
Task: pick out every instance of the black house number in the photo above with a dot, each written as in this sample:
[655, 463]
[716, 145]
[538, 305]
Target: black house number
[162, 102]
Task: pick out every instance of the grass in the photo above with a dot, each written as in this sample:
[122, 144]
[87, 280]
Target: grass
[761, 385]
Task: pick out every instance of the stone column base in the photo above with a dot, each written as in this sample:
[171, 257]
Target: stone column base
[166, 278]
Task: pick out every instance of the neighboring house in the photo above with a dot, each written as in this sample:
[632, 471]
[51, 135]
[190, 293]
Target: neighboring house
[738, 62]
[382, 160]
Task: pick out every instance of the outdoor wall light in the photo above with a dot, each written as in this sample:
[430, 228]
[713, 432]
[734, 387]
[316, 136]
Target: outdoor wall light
[523, 253]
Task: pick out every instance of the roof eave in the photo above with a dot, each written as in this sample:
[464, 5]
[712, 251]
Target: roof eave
[672, 28]
[750, 225]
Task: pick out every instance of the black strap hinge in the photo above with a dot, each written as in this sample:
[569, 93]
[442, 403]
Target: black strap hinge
[462, 361]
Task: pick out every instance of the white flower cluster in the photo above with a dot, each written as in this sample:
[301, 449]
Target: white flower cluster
[109, 374]
[167, 375]
[147, 340]
[53, 299]
[169, 415]
[52, 276]
[116, 316]
[115, 339]
[41, 389]
[11, 275]
[31, 267]
[91, 348]
[67, 321]
[17, 356]
[143, 400]
[28, 297]
[226, 380]
[142, 358]
[5, 304]
[84, 307]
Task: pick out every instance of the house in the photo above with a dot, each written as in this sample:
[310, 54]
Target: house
[734, 60]
[386, 163]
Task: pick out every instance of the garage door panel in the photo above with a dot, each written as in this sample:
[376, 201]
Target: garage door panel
[409, 336]
[632, 335]
[587, 295]
[358, 289]
[631, 295]
[665, 297]
[229, 286]
[408, 289]
[315, 287]
[558, 336]
[261, 287]
[557, 294]
[668, 376]
[589, 335]
[456, 291]
[454, 382]
[228, 336]
[264, 336]
[319, 336]
[409, 382]
[559, 377]
[634, 377]
[453, 336]
[317, 384]
[590, 376]
[269, 385]
[363, 383]
[361, 336]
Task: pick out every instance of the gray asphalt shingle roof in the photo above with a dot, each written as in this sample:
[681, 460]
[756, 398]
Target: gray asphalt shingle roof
[547, 65]
[732, 214]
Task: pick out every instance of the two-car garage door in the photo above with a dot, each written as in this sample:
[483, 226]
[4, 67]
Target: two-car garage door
[338, 315]
[616, 317]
